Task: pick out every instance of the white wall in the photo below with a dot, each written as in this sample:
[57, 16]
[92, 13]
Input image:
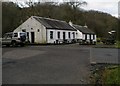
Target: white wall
[55, 36]
[43, 36]
[83, 37]
[79, 35]
[92, 36]
[40, 37]
[95, 38]
[88, 36]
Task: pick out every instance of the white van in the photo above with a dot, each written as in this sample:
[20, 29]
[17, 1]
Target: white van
[16, 38]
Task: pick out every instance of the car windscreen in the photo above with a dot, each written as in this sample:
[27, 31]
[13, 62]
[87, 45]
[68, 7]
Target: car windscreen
[22, 34]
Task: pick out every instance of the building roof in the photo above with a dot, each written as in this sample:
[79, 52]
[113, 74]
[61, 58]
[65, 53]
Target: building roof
[53, 23]
[83, 29]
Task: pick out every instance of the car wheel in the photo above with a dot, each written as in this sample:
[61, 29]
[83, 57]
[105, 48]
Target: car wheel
[13, 43]
[8, 45]
[22, 45]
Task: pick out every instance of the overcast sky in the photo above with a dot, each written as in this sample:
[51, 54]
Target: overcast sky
[108, 6]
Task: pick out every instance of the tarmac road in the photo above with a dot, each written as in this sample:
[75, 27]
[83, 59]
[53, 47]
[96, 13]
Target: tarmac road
[59, 64]
[53, 64]
[105, 55]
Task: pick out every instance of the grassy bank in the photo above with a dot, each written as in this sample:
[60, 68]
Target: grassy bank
[106, 75]
[118, 44]
[111, 75]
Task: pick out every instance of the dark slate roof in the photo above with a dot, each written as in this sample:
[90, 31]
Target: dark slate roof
[53, 23]
[83, 29]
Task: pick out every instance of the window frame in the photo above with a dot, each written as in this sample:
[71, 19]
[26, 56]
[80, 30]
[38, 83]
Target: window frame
[51, 34]
[73, 35]
[58, 35]
[93, 36]
[69, 35]
[86, 36]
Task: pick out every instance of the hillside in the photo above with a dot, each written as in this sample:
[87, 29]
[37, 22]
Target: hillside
[97, 21]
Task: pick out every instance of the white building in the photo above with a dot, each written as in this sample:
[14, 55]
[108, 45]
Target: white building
[46, 30]
[85, 35]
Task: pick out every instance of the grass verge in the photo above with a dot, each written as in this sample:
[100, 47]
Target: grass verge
[111, 75]
[118, 44]
[105, 75]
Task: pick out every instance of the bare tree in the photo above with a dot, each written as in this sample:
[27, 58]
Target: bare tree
[30, 3]
[76, 4]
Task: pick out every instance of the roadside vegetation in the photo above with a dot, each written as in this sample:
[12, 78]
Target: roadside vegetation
[100, 44]
[117, 44]
[111, 75]
[106, 75]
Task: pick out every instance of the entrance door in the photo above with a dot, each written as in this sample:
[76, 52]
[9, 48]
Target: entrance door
[32, 37]
[63, 36]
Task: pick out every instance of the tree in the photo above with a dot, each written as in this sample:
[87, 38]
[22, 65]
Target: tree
[10, 17]
[75, 5]
[97, 21]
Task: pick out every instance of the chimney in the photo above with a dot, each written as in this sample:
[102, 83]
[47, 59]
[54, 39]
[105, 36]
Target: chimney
[70, 23]
[86, 25]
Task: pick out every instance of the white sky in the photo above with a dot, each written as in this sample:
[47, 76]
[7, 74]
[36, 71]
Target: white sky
[108, 6]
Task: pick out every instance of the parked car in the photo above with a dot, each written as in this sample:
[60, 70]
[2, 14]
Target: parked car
[109, 41]
[86, 42]
[16, 38]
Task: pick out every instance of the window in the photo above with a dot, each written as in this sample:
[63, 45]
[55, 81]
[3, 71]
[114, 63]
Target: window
[93, 36]
[69, 34]
[22, 34]
[15, 34]
[64, 37]
[38, 30]
[51, 34]
[73, 35]
[9, 36]
[58, 35]
[85, 36]
[24, 30]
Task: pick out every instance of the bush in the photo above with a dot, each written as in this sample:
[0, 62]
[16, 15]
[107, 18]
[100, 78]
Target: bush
[118, 44]
[98, 40]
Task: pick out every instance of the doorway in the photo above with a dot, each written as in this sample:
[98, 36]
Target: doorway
[32, 37]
